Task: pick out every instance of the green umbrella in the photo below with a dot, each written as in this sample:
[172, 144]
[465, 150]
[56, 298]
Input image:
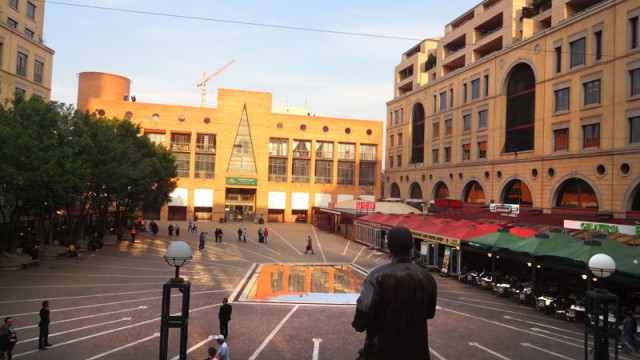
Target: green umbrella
[495, 240]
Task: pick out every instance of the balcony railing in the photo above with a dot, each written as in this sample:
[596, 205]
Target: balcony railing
[367, 157]
[345, 181]
[300, 179]
[277, 153]
[205, 148]
[324, 154]
[302, 154]
[278, 177]
[180, 146]
[347, 155]
[323, 180]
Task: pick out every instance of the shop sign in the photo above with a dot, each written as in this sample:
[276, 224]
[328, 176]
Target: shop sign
[448, 203]
[505, 208]
[365, 205]
[602, 227]
[242, 181]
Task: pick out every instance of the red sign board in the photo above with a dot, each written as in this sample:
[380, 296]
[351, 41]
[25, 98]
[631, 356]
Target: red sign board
[448, 203]
[442, 202]
[365, 205]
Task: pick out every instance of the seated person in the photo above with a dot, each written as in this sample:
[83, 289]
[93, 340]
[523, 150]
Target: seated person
[73, 252]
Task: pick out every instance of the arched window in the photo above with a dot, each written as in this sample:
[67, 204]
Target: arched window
[415, 192]
[521, 93]
[474, 193]
[518, 193]
[441, 191]
[417, 137]
[577, 193]
[395, 191]
[635, 199]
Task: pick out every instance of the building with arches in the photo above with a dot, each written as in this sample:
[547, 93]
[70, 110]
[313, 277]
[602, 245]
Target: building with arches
[242, 158]
[520, 105]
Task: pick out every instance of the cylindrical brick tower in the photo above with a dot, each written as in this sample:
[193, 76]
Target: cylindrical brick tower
[102, 87]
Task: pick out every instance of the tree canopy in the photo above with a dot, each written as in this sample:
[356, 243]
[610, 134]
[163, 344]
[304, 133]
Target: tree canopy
[54, 159]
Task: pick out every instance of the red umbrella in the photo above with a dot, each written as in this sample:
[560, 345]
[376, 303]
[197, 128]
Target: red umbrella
[523, 231]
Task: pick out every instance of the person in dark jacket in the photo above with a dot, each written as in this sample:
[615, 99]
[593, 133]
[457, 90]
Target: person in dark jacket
[43, 338]
[8, 338]
[224, 315]
[396, 300]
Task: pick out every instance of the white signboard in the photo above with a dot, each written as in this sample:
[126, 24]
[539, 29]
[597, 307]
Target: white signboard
[179, 197]
[277, 200]
[601, 227]
[203, 197]
[505, 208]
[424, 249]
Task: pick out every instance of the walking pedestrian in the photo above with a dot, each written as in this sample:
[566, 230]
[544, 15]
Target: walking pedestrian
[190, 225]
[43, 338]
[223, 351]
[239, 234]
[8, 338]
[628, 329]
[201, 246]
[194, 227]
[245, 233]
[177, 229]
[224, 315]
[133, 232]
[266, 235]
[219, 235]
[309, 245]
[396, 300]
[260, 235]
[170, 230]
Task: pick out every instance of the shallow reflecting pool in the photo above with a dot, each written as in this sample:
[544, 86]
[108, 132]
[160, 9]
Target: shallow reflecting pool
[305, 283]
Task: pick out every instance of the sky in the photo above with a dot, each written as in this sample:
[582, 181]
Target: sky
[165, 56]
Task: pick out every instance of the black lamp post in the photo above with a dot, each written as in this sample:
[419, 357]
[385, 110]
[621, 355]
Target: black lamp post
[178, 255]
[598, 303]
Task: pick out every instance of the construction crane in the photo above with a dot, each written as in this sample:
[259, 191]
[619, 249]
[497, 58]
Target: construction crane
[202, 85]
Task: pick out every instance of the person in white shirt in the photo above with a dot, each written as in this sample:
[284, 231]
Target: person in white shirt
[223, 350]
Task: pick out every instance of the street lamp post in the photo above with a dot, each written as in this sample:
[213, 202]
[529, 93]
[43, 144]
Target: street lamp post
[598, 303]
[178, 255]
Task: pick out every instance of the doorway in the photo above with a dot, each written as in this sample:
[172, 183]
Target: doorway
[239, 204]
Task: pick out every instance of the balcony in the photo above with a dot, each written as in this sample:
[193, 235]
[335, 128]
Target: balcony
[206, 148]
[347, 155]
[324, 155]
[488, 27]
[487, 48]
[278, 177]
[367, 157]
[455, 45]
[323, 180]
[180, 146]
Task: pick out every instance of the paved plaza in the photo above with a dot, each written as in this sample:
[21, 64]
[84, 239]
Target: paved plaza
[106, 305]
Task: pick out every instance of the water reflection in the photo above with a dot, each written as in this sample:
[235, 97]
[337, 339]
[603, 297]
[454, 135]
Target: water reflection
[339, 284]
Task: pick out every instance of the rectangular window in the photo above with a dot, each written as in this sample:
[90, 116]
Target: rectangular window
[448, 127]
[324, 150]
[486, 85]
[482, 149]
[13, 3]
[277, 169]
[368, 152]
[390, 161]
[346, 151]
[577, 52]
[635, 81]
[180, 142]
[435, 102]
[466, 122]
[12, 23]
[302, 148]
[156, 138]
[399, 160]
[29, 32]
[367, 173]
[278, 147]
[399, 139]
[206, 143]
[475, 89]
[561, 99]
[561, 139]
[466, 152]
[597, 44]
[482, 119]
[324, 172]
[183, 164]
[20, 92]
[591, 92]
[21, 65]
[634, 127]
[450, 98]
[558, 56]
[346, 172]
[464, 93]
[205, 166]
[591, 136]
[435, 155]
[443, 100]
[633, 29]
[38, 71]
[300, 171]
[391, 142]
[436, 130]
[447, 154]
[31, 10]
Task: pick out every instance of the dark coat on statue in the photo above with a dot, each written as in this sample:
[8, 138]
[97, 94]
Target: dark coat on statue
[396, 300]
